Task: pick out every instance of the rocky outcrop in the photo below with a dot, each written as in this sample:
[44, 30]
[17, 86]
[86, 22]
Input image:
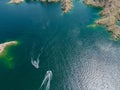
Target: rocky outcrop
[96, 3]
[16, 1]
[110, 15]
[49, 0]
[66, 5]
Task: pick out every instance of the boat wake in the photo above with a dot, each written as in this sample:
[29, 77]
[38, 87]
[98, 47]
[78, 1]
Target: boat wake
[46, 81]
[36, 62]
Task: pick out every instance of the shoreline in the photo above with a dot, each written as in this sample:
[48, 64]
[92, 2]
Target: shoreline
[66, 5]
[109, 15]
[4, 45]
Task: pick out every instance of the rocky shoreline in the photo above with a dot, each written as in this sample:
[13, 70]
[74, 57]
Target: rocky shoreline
[49, 1]
[16, 1]
[110, 15]
[6, 44]
[66, 5]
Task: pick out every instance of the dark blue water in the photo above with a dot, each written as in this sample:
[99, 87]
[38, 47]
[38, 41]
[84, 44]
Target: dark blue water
[79, 57]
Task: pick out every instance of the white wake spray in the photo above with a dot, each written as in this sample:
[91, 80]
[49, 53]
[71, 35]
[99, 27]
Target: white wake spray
[36, 62]
[47, 79]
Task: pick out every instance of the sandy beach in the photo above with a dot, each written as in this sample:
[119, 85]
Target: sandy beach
[4, 45]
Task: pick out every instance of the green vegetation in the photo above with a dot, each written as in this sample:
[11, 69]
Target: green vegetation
[6, 57]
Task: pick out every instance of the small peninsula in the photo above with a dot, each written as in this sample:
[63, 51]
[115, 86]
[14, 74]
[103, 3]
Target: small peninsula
[66, 5]
[5, 45]
[110, 15]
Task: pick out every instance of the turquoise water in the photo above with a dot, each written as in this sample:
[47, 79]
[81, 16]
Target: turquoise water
[79, 57]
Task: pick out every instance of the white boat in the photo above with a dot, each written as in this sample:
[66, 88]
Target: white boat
[35, 63]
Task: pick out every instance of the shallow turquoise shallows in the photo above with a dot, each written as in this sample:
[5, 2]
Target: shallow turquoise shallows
[73, 53]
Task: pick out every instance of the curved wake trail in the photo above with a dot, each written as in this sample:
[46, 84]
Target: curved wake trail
[46, 81]
[35, 62]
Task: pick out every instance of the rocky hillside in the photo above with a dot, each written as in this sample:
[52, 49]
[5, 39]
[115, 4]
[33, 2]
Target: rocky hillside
[110, 15]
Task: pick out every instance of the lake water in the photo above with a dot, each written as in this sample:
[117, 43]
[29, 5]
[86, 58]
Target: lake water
[72, 56]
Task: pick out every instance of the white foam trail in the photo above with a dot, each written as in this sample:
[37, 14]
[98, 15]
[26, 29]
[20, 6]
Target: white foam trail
[47, 79]
[36, 62]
